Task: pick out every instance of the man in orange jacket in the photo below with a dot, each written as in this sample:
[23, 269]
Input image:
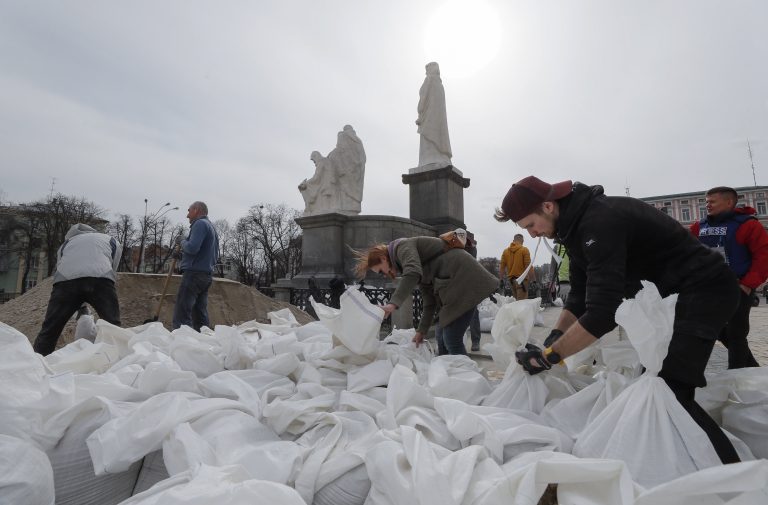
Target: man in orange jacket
[514, 261]
[736, 233]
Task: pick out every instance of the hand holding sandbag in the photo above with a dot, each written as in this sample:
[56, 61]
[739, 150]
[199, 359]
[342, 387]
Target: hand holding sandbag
[532, 359]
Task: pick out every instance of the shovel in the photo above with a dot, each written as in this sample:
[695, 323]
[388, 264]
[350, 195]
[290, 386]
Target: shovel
[165, 290]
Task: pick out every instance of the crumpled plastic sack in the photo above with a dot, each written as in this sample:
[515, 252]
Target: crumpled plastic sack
[645, 426]
[356, 324]
[457, 377]
[26, 475]
[512, 329]
[206, 485]
[743, 483]
[417, 471]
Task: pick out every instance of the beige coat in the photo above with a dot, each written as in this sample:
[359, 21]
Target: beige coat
[451, 281]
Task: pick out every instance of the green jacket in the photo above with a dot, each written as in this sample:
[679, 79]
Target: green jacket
[450, 281]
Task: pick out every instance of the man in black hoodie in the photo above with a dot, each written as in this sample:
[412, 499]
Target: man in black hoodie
[613, 244]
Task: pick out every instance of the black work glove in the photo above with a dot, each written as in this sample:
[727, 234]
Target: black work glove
[176, 254]
[552, 338]
[532, 353]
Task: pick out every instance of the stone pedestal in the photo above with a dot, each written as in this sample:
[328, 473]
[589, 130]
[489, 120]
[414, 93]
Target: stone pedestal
[437, 197]
[328, 240]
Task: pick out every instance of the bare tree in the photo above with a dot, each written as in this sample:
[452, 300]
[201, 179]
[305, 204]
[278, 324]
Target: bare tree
[224, 232]
[278, 237]
[56, 215]
[124, 231]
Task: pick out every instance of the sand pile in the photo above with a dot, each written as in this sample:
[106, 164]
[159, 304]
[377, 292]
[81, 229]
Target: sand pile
[229, 302]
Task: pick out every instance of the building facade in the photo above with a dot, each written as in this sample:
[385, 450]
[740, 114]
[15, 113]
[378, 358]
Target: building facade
[688, 208]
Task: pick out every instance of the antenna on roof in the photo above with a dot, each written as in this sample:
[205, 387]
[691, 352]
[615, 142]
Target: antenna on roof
[752, 162]
[53, 187]
[626, 186]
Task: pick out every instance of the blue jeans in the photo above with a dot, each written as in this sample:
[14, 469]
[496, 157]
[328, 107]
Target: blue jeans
[450, 338]
[192, 300]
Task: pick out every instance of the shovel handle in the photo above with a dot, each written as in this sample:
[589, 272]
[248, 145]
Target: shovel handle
[165, 288]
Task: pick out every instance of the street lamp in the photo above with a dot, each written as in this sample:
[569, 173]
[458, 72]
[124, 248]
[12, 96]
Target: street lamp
[145, 226]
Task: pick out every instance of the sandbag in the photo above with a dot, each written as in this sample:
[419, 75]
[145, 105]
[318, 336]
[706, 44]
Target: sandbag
[74, 477]
[356, 324]
[746, 417]
[349, 489]
[26, 476]
[645, 426]
[207, 485]
[152, 471]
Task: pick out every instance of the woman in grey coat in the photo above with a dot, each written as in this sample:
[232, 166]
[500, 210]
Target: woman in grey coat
[451, 282]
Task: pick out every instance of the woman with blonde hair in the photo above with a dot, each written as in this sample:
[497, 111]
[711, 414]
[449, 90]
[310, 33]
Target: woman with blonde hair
[451, 282]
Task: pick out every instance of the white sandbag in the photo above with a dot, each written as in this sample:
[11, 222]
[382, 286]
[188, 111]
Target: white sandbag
[717, 393]
[121, 442]
[645, 426]
[746, 417]
[356, 324]
[108, 333]
[283, 317]
[410, 404]
[82, 356]
[351, 488]
[20, 367]
[231, 437]
[420, 472]
[296, 413]
[336, 445]
[506, 433]
[158, 378]
[196, 356]
[313, 329]
[26, 476]
[152, 471]
[511, 329]
[76, 483]
[206, 485]
[579, 481]
[283, 364]
[486, 324]
[458, 377]
[85, 328]
[371, 375]
[518, 391]
[573, 413]
[736, 484]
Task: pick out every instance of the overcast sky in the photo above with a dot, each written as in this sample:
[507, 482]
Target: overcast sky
[224, 101]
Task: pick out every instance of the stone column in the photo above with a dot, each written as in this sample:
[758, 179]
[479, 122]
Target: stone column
[437, 197]
[322, 245]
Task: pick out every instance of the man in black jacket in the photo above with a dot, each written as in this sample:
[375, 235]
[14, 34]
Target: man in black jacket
[613, 244]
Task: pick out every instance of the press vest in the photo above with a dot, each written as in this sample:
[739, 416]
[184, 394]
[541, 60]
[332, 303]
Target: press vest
[722, 233]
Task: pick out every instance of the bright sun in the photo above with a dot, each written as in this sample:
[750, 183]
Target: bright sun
[463, 36]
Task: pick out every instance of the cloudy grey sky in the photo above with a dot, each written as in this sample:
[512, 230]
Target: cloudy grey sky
[178, 100]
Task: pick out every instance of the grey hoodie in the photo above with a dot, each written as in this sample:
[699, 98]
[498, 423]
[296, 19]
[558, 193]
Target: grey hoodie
[87, 253]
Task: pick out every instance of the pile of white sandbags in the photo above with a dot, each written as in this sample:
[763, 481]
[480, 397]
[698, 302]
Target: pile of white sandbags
[328, 413]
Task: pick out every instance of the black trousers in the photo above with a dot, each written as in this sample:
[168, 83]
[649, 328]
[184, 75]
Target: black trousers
[734, 335]
[700, 313]
[66, 298]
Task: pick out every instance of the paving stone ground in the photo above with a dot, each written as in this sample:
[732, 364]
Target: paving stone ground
[758, 340]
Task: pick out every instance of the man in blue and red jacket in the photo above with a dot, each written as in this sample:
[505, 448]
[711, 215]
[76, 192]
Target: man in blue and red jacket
[736, 233]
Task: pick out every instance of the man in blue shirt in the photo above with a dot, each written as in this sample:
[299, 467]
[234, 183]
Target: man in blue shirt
[199, 253]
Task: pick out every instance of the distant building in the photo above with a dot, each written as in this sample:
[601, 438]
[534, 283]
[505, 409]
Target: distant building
[688, 208]
[13, 250]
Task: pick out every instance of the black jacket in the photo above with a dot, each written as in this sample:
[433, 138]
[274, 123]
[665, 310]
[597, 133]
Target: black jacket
[615, 242]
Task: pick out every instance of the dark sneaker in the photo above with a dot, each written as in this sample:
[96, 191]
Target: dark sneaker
[475, 346]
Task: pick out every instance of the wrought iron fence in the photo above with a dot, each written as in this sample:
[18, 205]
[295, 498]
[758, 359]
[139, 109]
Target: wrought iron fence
[377, 296]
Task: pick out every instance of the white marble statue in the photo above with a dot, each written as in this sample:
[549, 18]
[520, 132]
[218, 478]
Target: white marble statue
[337, 185]
[435, 146]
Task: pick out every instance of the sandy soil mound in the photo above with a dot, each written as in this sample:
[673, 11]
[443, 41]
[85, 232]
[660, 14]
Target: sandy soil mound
[229, 302]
